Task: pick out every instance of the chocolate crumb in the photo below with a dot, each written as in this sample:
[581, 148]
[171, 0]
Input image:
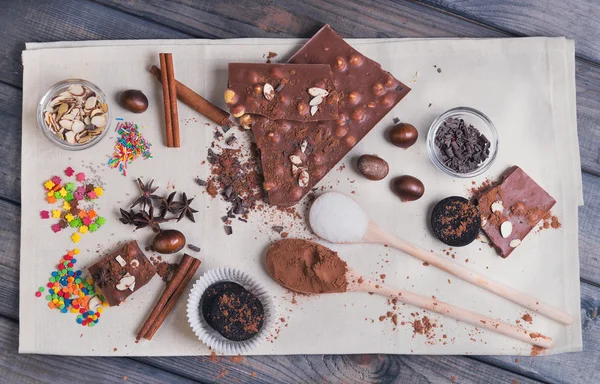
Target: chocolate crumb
[201, 182]
[194, 248]
[228, 230]
[277, 228]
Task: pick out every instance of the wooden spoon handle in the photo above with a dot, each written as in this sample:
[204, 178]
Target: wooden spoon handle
[377, 235]
[457, 313]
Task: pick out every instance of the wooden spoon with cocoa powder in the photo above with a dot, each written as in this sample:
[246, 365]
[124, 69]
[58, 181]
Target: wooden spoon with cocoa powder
[307, 267]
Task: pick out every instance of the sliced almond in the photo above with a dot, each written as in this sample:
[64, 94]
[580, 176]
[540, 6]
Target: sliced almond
[121, 260]
[87, 120]
[67, 116]
[56, 101]
[90, 102]
[303, 178]
[94, 303]
[96, 112]
[134, 263]
[78, 126]
[70, 137]
[317, 92]
[62, 109]
[316, 100]
[295, 170]
[506, 229]
[483, 221]
[303, 146]
[514, 243]
[65, 123]
[313, 110]
[126, 282]
[497, 206]
[268, 91]
[104, 107]
[77, 90]
[99, 121]
[296, 160]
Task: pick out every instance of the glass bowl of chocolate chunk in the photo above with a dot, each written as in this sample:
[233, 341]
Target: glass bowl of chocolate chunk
[73, 114]
[462, 142]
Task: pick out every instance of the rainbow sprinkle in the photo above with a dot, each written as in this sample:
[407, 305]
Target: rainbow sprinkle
[68, 292]
[129, 146]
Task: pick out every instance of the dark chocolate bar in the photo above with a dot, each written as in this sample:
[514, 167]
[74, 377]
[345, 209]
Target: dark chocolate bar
[518, 200]
[295, 156]
[298, 92]
[122, 272]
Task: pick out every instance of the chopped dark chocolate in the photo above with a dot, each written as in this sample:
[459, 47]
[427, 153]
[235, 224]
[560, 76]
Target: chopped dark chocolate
[201, 182]
[296, 92]
[462, 147]
[228, 230]
[231, 140]
[277, 228]
[122, 272]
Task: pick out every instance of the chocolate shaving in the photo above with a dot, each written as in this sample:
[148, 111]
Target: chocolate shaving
[228, 230]
[277, 228]
[463, 148]
[194, 248]
[201, 182]
[231, 140]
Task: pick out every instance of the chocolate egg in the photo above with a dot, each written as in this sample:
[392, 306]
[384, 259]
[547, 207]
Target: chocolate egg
[134, 101]
[168, 241]
[403, 135]
[373, 167]
[408, 188]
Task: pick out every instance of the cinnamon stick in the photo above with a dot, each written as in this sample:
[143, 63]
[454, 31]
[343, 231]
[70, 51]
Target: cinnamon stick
[166, 98]
[196, 102]
[172, 300]
[173, 99]
[178, 277]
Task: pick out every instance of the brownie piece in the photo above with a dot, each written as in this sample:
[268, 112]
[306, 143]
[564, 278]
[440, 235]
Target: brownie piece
[295, 156]
[455, 221]
[232, 311]
[121, 273]
[298, 92]
[516, 199]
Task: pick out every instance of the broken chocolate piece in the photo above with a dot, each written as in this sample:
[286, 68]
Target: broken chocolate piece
[518, 199]
[369, 93]
[251, 87]
[117, 282]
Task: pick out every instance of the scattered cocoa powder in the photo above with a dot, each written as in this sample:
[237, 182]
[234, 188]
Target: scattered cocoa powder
[165, 270]
[237, 359]
[527, 317]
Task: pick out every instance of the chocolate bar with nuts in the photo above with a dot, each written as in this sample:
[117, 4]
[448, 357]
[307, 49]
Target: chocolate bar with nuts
[121, 273]
[511, 209]
[299, 92]
[295, 156]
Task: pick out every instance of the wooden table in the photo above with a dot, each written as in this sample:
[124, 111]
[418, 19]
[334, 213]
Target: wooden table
[30, 20]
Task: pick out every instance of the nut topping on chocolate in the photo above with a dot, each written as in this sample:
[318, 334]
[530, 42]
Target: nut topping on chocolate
[497, 206]
[126, 282]
[269, 91]
[313, 110]
[317, 92]
[303, 178]
[316, 101]
[121, 261]
[506, 229]
[514, 243]
[296, 160]
[134, 263]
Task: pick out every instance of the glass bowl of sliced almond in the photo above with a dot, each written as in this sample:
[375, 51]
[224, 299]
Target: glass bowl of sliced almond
[74, 114]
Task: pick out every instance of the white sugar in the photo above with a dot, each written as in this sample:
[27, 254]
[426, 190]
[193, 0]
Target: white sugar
[337, 218]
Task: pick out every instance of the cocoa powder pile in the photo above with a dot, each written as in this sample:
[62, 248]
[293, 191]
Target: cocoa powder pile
[307, 267]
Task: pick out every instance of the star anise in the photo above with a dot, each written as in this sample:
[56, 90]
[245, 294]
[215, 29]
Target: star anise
[104, 277]
[168, 205]
[126, 217]
[186, 210]
[147, 194]
[144, 219]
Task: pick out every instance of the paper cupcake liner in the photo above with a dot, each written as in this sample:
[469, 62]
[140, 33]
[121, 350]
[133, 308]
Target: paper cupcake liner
[206, 333]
